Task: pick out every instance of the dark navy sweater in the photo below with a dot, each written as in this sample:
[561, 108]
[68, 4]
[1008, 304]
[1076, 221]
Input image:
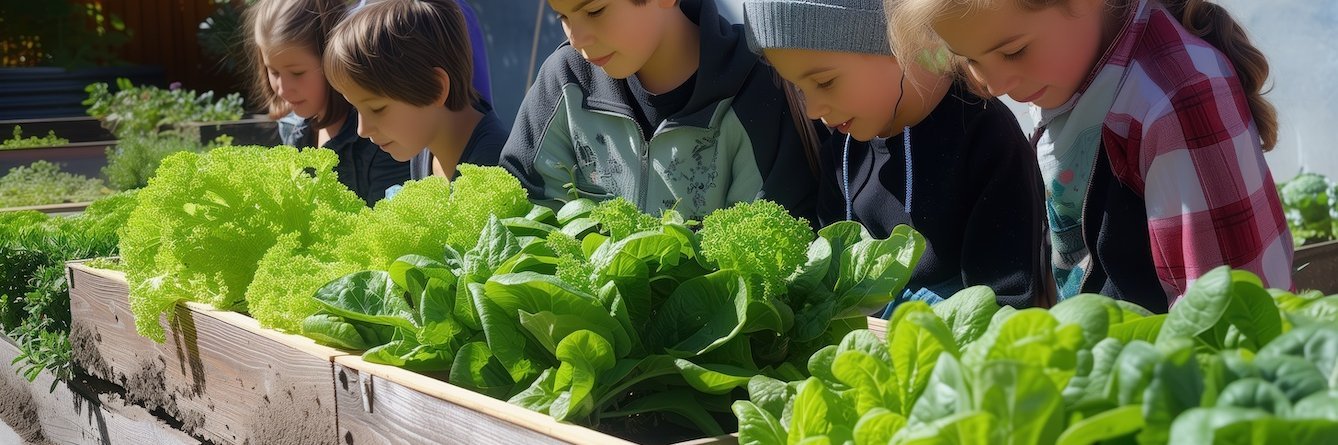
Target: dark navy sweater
[976, 196]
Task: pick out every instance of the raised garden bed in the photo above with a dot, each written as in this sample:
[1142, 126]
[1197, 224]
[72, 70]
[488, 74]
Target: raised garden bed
[75, 412]
[75, 129]
[87, 158]
[1316, 267]
[80, 158]
[386, 404]
[249, 131]
[221, 376]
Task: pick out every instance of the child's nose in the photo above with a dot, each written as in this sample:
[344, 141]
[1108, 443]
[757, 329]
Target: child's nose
[997, 82]
[580, 38]
[364, 128]
[279, 89]
[815, 110]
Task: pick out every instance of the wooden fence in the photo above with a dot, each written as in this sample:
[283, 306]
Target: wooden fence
[164, 34]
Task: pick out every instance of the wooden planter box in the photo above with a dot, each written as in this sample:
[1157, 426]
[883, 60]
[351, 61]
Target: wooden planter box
[226, 380]
[80, 158]
[74, 129]
[219, 374]
[255, 130]
[1316, 267]
[73, 413]
[248, 131]
[384, 404]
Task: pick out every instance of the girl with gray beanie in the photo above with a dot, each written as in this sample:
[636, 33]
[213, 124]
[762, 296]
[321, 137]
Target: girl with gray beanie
[910, 147]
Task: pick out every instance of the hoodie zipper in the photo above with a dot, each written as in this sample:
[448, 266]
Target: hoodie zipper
[643, 155]
[1082, 217]
[1082, 224]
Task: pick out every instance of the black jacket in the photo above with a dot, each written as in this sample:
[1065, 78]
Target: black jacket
[975, 195]
[366, 169]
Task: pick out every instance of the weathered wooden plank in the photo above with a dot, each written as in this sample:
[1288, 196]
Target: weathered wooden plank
[72, 413]
[67, 208]
[385, 404]
[8, 435]
[222, 376]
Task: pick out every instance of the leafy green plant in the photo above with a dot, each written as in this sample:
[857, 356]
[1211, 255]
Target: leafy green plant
[422, 218]
[1231, 363]
[135, 159]
[146, 110]
[18, 141]
[42, 183]
[1308, 201]
[205, 221]
[259, 230]
[597, 313]
[34, 297]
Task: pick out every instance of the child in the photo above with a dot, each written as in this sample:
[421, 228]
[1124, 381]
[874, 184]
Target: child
[287, 41]
[913, 148]
[660, 102]
[406, 66]
[1148, 139]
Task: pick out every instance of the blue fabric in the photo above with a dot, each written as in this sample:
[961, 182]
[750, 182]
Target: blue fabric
[930, 295]
[480, 55]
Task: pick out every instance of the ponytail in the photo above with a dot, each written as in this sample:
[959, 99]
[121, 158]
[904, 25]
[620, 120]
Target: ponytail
[1214, 25]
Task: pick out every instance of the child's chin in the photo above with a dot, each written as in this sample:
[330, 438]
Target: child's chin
[616, 73]
[402, 157]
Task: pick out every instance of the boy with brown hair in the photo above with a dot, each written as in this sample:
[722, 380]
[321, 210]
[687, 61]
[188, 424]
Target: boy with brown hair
[660, 102]
[406, 66]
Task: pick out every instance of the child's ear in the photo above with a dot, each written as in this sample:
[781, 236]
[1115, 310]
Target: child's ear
[445, 81]
[666, 4]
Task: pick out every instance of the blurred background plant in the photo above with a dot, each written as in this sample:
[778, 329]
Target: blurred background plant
[69, 34]
[145, 110]
[221, 36]
[18, 141]
[43, 183]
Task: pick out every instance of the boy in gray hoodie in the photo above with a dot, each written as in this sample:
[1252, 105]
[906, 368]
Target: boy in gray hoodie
[662, 103]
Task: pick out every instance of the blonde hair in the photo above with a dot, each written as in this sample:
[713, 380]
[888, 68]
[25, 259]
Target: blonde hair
[302, 23]
[910, 25]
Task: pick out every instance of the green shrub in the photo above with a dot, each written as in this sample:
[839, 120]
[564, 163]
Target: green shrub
[42, 183]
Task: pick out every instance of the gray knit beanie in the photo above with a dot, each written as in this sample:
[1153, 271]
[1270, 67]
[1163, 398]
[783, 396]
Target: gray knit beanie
[856, 26]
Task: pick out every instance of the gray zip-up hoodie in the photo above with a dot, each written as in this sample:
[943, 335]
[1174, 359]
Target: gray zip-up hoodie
[576, 134]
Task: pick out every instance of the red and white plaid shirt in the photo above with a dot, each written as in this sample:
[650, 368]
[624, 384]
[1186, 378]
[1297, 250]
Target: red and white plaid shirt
[1181, 134]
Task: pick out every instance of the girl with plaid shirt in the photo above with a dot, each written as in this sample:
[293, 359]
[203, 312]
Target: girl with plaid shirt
[1151, 129]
